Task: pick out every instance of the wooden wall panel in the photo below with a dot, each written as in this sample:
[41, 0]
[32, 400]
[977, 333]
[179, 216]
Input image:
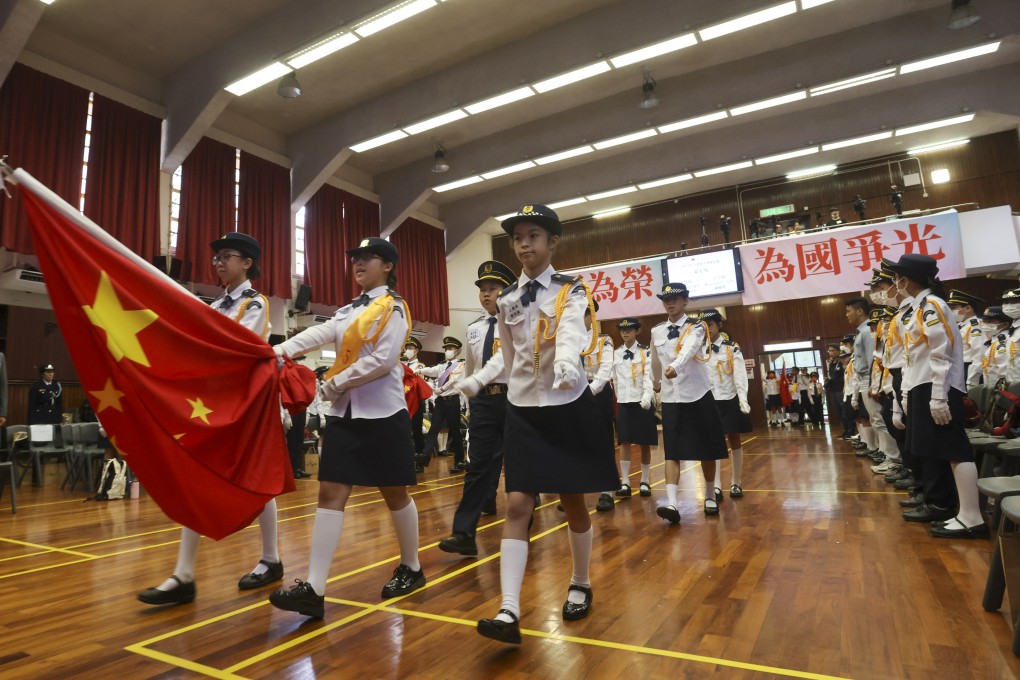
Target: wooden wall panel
[34, 339]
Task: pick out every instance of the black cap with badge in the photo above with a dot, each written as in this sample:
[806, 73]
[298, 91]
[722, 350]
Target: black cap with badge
[958, 297]
[243, 243]
[494, 270]
[673, 290]
[629, 323]
[450, 341]
[995, 313]
[542, 215]
[413, 342]
[46, 368]
[377, 246]
[711, 315]
[917, 267]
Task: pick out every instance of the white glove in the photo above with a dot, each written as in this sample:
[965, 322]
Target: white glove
[745, 408]
[418, 369]
[897, 420]
[288, 421]
[279, 355]
[904, 403]
[855, 401]
[646, 403]
[566, 376]
[597, 386]
[469, 386]
[940, 411]
[329, 391]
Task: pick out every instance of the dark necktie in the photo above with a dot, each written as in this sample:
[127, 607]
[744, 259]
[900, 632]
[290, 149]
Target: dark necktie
[530, 291]
[715, 348]
[226, 303]
[674, 332]
[490, 339]
[628, 355]
[362, 299]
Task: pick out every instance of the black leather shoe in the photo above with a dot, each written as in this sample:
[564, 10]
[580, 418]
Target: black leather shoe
[184, 593]
[905, 483]
[928, 513]
[644, 489]
[444, 453]
[669, 513]
[624, 491]
[736, 491]
[897, 475]
[575, 612]
[502, 631]
[301, 598]
[956, 529]
[489, 507]
[418, 469]
[712, 509]
[605, 503]
[253, 580]
[458, 467]
[404, 581]
[915, 501]
[460, 544]
[718, 495]
[301, 474]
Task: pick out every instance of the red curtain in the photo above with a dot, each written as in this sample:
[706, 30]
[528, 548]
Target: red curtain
[421, 274]
[42, 129]
[334, 222]
[264, 212]
[123, 179]
[207, 206]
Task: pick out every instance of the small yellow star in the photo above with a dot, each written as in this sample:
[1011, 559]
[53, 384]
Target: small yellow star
[199, 410]
[109, 397]
[122, 326]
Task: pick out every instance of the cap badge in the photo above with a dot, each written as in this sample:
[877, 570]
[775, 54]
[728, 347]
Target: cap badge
[528, 209]
[488, 269]
[364, 243]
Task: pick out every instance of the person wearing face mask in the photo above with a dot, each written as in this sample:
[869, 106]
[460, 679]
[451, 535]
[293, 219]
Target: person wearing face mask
[773, 402]
[857, 314]
[410, 359]
[598, 368]
[995, 363]
[447, 409]
[1011, 308]
[846, 354]
[881, 287]
[965, 308]
[729, 389]
[635, 415]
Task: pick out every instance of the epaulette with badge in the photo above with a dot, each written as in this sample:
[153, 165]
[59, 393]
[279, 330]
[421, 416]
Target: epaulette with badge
[509, 289]
[661, 323]
[640, 346]
[565, 278]
[729, 342]
[251, 294]
[481, 318]
[396, 296]
[930, 313]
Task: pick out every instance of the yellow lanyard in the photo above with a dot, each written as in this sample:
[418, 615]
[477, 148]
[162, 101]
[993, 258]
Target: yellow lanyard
[560, 305]
[356, 335]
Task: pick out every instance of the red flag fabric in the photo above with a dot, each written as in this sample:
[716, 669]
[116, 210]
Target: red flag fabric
[188, 396]
[416, 390]
[784, 388]
[297, 387]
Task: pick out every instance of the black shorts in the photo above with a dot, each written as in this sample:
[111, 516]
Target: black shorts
[774, 401]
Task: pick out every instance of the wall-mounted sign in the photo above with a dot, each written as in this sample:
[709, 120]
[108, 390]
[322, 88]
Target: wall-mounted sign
[778, 210]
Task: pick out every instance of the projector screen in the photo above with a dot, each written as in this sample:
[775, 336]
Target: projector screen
[705, 274]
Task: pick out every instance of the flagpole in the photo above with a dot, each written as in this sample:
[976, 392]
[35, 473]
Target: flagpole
[27, 181]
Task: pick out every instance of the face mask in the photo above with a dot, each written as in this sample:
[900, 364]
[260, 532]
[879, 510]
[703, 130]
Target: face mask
[989, 328]
[901, 290]
[878, 298]
[1012, 311]
[958, 315]
[410, 354]
[450, 354]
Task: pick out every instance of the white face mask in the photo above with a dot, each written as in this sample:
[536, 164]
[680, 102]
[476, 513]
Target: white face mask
[410, 354]
[958, 315]
[450, 354]
[1012, 311]
[989, 328]
[878, 297]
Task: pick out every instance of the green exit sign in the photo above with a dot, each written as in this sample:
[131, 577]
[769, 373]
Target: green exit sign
[778, 210]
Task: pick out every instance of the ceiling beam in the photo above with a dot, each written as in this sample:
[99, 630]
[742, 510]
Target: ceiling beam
[18, 18]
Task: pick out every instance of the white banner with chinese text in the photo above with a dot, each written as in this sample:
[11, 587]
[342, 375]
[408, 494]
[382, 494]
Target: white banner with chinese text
[840, 260]
[625, 289]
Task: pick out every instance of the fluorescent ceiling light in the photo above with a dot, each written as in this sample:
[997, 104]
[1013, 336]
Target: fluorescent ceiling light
[474, 179]
[789, 154]
[378, 141]
[393, 16]
[614, 211]
[508, 170]
[504, 217]
[808, 4]
[563, 155]
[322, 49]
[769, 103]
[853, 82]
[572, 76]
[748, 20]
[940, 176]
[939, 147]
[500, 100]
[857, 140]
[723, 168]
[633, 137]
[667, 180]
[569, 201]
[274, 71]
[611, 192]
[935, 124]
[436, 121]
[656, 50]
[949, 58]
[691, 122]
[820, 170]
[784, 346]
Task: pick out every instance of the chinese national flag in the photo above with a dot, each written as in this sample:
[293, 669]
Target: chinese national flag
[784, 388]
[189, 397]
[416, 390]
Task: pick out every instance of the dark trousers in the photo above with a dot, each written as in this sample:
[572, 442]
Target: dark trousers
[446, 414]
[486, 425]
[909, 461]
[837, 412]
[816, 409]
[850, 415]
[416, 428]
[296, 442]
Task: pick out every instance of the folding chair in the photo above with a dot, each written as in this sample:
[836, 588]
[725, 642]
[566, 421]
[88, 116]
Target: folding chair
[9, 464]
[72, 455]
[90, 451]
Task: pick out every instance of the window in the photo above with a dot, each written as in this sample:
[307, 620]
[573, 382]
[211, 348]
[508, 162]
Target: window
[237, 185]
[85, 156]
[299, 243]
[175, 207]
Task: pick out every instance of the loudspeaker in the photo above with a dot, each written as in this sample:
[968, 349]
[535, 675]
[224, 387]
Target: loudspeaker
[178, 270]
[304, 295]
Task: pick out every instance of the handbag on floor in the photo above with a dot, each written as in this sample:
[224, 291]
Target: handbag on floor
[113, 481]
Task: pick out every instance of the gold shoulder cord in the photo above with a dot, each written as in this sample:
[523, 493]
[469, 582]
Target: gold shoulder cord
[357, 334]
[244, 308]
[908, 342]
[561, 304]
[725, 367]
[707, 344]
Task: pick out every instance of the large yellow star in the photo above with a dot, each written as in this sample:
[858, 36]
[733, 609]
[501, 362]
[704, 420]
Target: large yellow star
[109, 397]
[199, 410]
[122, 326]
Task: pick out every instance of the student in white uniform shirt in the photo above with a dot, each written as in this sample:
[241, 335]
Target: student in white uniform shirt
[908, 472]
[932, 411]
[691, 426]
[235, 258]
[447, 405]
[965, 309]
[367, 438]
[995, 363]
[598, 369]
[1011, 308]
[555, 441]
[857, 314]
[635, 417]
[773, 399]
[484, 382]
[729, 389]
[410, 359]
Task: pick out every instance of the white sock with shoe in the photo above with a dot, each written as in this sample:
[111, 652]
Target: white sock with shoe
[326, 530]
[513, 559]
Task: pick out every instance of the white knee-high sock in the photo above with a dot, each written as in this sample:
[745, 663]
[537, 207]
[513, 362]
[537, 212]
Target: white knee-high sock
[405, 521]
[646, 473]
[580, 550]
[671, 490]
[625, 471]
[187, 551]
[966, 476]
[738, 464]
[718, 475]
[329, 524]
[867, 436]
[513, 560]
[267, 527]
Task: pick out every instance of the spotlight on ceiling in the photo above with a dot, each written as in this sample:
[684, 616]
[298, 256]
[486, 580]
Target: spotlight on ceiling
[648, 98]
[440, 164]
[962, 15]
[289, 87]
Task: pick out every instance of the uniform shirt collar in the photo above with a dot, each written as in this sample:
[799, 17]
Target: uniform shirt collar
[376, 292]
[863, 327]
[236, 293]
[923, 294]
[906, 302]
[545, 278]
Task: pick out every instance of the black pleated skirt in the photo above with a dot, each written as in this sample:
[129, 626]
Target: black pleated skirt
[925, 439]
[733, 421]
[368, 451]
[693, 431]
[636, 425]
[558, 449]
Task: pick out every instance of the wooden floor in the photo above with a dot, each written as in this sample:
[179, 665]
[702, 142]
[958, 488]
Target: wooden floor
[811, 575]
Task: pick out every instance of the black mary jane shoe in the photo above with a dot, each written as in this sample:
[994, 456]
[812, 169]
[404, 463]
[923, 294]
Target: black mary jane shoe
[274, 572]
[736, 491]
[184, 593]
[605, 503]
[573, 611]
[668, 513]
[405, 580]
[502, 631]
[300, 598]
[711, 509]
[645, 489]
[955, 529]
[624, 491]
[718, 495]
